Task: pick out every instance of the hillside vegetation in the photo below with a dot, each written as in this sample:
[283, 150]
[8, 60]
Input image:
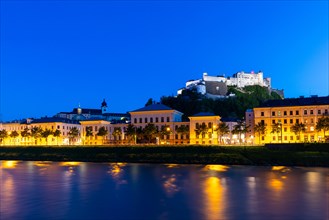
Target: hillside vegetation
[191, 102]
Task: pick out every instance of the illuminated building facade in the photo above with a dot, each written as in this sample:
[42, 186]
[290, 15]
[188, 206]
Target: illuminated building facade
[203, 128]
[286, 113]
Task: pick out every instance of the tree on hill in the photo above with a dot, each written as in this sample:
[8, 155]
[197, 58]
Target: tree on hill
[149, 102]
[260, 129]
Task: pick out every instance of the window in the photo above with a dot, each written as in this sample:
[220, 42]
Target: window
[285, 129]
[285, 113]
[145, 120]
[305, 121]
[151, 120]
[291, 138]
[135, 120]
[273, 138]
[297, 121]
[312, 120]
[57, 126]
[297, 112]
[326, 111]
[305, 112]
[284, 121]
[290, 113]
[291, 121]
[140, 120]
[273, 113]
[273, 121]
[262, 114]
[168, 119]
[263, 138]
[156, 119]
[285, 138]
[319, 112]
[162, 119]
[262, 121]
[279, 113]
[311, 112]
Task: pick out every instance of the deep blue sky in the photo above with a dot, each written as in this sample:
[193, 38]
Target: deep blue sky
[57, 54]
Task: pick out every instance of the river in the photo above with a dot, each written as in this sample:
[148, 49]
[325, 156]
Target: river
[79, 190]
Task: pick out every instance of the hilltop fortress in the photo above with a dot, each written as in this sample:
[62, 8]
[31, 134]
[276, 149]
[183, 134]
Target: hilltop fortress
[216, 86]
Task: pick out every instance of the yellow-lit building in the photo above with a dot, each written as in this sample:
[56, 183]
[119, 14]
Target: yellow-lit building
[161, 116]
[62, 125]
[94, 125]
[288, 112]
[207, 135]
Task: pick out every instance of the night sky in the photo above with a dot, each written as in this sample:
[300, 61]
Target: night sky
[57, 54]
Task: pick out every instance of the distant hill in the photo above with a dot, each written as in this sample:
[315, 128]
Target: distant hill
[190, 102]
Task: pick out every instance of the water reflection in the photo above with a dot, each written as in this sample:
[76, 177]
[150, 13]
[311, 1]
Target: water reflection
[9, 164]
[170, 184]
[219, 168]
[214, 196]
[74, 190]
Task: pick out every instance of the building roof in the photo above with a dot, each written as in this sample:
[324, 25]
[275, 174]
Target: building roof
[153, 107]
[91, 111]
[54, 119]
[203, 114]
[313, 100]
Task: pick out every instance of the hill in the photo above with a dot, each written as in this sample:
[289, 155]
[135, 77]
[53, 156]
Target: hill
[190, 102]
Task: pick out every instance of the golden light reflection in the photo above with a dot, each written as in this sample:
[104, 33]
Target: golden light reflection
[276, 184]
[170, 185]
[214, 198]
[278, 168]
[172, 165]
[219, 168]
[9, 164]
[42, 163]
[69, 164]
[115, 169]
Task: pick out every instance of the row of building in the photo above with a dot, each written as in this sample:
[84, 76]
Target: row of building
[89, 122]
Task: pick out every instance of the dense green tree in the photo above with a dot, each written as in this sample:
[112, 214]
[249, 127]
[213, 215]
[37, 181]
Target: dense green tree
[14, 134]
[183, 130]
[89, 131]
[26, 133]
[3, 135]
[102, 132]
[201, 129]
[117, 132]
[164, 130]
[36, 133]
[222, 129]
[276, 129]
[131, 133]
[45, 134]
[150, 131]
[260, 129]
[323, 124]
[240, 128]
[298, 128]
[57, 134]
[73, 134]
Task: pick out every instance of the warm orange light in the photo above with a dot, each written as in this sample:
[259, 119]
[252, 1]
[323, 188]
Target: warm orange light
[9, 164]
[219, 168]
[276, 184]
[42, 163]
[278, 168]
[69, 164]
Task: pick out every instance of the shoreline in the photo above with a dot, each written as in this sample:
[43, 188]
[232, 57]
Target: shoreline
[309, 155]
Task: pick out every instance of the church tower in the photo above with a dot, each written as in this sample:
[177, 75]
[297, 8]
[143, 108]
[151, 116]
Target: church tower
[104, 107]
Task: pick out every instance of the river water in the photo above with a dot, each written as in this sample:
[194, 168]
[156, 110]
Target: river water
[74, 190]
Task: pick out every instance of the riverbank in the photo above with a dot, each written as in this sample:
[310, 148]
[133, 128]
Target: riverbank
[316, 155]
